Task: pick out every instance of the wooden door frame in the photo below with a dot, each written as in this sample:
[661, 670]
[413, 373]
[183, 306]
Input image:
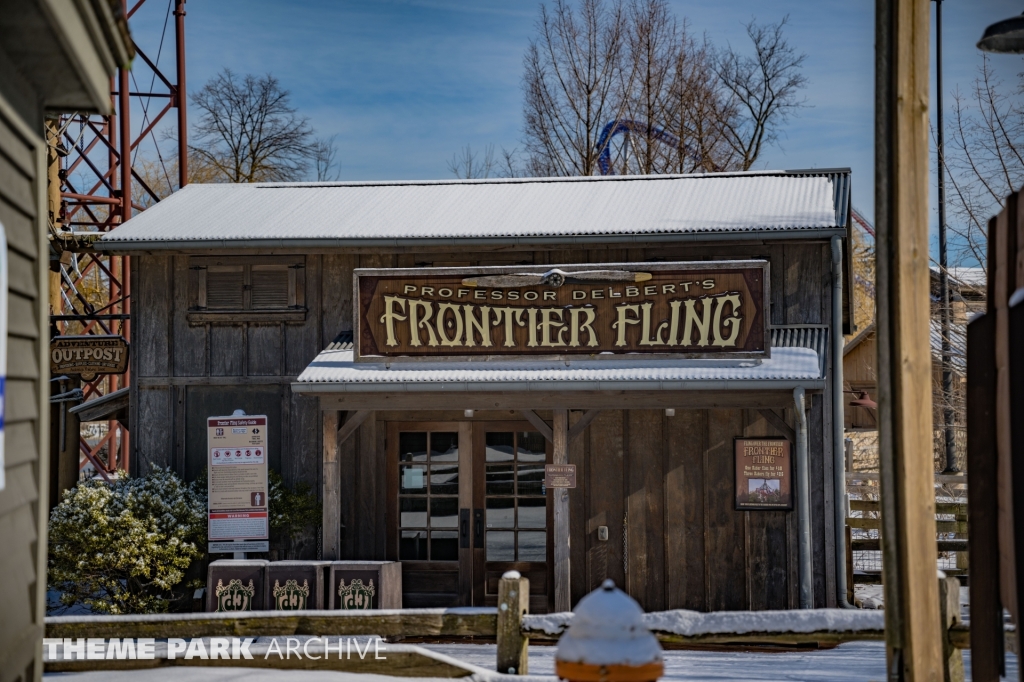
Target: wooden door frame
[479, 563]
[465, 492]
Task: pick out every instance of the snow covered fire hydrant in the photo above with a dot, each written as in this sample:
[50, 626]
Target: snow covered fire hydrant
[607, 641]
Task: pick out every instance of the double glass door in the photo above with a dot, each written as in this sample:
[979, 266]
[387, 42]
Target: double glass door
[469, 504]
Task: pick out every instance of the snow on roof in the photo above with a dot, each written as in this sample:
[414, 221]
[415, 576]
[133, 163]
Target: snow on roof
[966, 276]
[957, 344]
[297, 214]
[336, 370]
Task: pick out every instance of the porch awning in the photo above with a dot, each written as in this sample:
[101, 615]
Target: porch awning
[335, 371]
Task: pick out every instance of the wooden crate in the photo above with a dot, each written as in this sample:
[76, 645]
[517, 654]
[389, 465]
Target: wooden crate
[387, 584]
[249, 593]
[310, 575]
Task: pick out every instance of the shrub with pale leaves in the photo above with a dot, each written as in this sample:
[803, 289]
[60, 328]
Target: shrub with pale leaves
[123, 547]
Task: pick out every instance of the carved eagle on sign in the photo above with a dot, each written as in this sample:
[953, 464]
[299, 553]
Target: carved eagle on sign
[555, 278]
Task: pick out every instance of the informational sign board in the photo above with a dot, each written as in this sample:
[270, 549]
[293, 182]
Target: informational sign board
[560, 475]
[89, 355]
[237, 464]
[705, 309]
[764, 474]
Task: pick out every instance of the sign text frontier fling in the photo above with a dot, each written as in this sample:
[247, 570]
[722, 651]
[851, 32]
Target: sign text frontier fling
[705, 321]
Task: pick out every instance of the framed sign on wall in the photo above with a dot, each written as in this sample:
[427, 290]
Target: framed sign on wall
[764, 474]
[683, 309]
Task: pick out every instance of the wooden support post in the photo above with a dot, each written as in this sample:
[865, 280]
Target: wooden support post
[912, 625]
[560, 447]
[331, 489]
[513, 604]
[351, 424]
[581, 425]
[538, 424]
[982, 502]
[949, 612]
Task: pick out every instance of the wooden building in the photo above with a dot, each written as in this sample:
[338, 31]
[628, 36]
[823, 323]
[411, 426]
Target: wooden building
[244, 298]
[54, 57]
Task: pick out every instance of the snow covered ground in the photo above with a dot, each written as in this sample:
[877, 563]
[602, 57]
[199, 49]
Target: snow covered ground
[856, 661]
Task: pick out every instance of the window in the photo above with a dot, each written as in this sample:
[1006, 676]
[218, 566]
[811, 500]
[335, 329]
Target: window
[260, 288]
[428, 496]
[515, 497]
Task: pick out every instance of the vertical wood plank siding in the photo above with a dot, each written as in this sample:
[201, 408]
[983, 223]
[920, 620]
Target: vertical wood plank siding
[671, 477]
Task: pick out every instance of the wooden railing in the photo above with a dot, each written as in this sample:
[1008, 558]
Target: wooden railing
[864, 486]
[511, 627]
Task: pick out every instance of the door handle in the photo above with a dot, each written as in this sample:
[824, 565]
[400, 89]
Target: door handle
[464, 529]
[478, 528]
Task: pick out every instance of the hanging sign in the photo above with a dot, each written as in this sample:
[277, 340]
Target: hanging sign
[707, 309]
[237, 466]
[763, 474]
[88, 355]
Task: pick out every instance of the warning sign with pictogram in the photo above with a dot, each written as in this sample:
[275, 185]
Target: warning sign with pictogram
[237, 458]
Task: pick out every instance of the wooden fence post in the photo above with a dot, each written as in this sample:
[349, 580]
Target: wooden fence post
[912, 625]
[949, 610]
[513, 604]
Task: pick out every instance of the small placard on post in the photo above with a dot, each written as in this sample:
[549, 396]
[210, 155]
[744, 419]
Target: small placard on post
[560, 475]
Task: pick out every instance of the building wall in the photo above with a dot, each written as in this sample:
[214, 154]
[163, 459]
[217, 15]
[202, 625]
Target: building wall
[23, 500]
[184, 373]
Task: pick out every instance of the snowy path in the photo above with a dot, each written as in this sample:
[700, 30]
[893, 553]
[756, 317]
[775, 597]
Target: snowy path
[860, 661]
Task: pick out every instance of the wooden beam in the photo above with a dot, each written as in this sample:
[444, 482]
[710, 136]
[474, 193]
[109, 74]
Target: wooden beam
[779, 423]
[574, 400]
[539, 424]
[560, 455]
[351, 424]
[912, 622]
[331, 488]
[581, 425]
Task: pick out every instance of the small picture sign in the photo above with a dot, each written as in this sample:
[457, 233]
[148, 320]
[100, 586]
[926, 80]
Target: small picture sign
[763, 474]
[560, 475]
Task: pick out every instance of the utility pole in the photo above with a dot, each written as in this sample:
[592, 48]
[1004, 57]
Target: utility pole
[948, 417]
[912, 622]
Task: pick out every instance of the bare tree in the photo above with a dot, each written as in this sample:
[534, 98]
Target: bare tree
[572, 84]
[985, 160]
[763, 90]
[678, 104]
[249, 131]
[467, 163]
[325, 159]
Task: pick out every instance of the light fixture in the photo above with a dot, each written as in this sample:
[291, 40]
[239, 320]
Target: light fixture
[863, 400]
[670, 412]
[1004, 37]
[468, 414]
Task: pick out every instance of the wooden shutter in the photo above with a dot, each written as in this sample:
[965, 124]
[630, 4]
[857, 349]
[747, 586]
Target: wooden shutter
[225, 286]
[269, 287]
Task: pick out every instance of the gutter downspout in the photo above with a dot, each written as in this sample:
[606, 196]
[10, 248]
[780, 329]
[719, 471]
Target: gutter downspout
[803, 502]
[839, 497]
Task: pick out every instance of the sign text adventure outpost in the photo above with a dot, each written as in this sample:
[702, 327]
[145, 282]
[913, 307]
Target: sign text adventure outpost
[695, 309]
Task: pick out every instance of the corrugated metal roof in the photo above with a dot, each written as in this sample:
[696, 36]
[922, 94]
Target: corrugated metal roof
[340, 213]
[338, 369]
[815, 338]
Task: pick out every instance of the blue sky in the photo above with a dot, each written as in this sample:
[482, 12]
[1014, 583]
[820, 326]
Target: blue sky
[403, 84]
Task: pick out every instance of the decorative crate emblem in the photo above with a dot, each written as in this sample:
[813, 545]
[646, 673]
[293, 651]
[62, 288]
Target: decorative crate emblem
[235, 596]
[356, 596]
[291, 597]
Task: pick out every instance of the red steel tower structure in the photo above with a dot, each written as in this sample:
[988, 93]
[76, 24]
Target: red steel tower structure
[94, 162]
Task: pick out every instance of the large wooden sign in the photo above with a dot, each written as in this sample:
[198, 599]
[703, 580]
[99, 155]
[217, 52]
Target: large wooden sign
[764, 473]
[704, 309]
[88, 355]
